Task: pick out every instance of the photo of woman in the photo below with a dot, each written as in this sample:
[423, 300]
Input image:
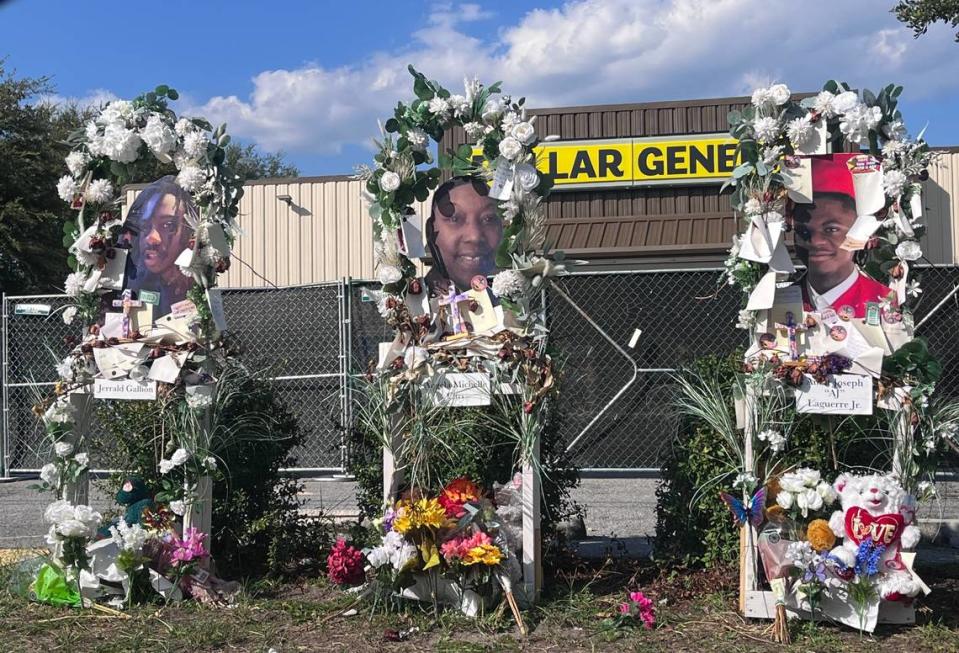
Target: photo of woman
[156, 231]
[463, 232]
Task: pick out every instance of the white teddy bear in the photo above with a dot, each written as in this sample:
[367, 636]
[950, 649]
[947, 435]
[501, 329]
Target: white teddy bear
[877, 506]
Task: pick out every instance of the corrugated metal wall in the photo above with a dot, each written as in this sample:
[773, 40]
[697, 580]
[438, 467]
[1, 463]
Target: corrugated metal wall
[940, 199]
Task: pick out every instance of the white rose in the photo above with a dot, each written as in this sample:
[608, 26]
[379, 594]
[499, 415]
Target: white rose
[178, 507]
[73, 528]
[909, 250]
[785, 499]
[779, 94]
[493, 108]
[48, 474]
[179, 456]
[526, 176]
[510, 148]
[808, 500]
[844, 101]
[387, 274]
[68, 314]
[82, 459]
[390, 181]
[165, 466]
[791, 483]
[827, 493]
[63, 449]
[87, 515]
[810, 477]
[210, 463]
[524, 132]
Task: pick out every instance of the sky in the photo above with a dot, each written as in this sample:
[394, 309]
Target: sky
[311, 79]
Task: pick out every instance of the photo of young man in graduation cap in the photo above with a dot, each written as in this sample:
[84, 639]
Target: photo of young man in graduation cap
[833, 280]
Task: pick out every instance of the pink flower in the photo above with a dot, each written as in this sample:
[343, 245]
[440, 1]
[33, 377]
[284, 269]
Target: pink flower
[344, 565]
[189, 549]
[456, 548]
[641, 605]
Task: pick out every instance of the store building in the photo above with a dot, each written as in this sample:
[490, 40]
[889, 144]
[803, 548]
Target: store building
[637, 187]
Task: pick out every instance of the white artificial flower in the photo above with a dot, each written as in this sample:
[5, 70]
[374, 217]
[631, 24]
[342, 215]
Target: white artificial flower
[74, 528]
[779, 94]
[510, 148]
[909, 250]
[776, 440]
[746, 319]
[194, 145]
[418, 139]
[82, 459]
[69, 313]
[439, 107]
[117, 112]
[791, 482]
[799, 130]
[178, 507]
[785, 499]
[524, 132]
[67, 188]
[761, 97]
[60, 412]
[119, 143]
[179, 456]
[63, 449]
[198, 401]
[184, 127]
[461, 106]
[99, 191]
[526, 177]
[387, 274]
[913, 289]
[210, 463]
[190, 178]
[158, 136]
[894, 130]
[810, 477]
[771, 154]
[165, 465]
[747, 481]
[857, 121]
[808, 500]
[891, 149]
[65, 369]
[510, 284]
[494, 107]
[390, 181]
[510, 120]
[753, 207]
[845, 101]
[48, 474]
[472, 86]
[77, 163]
[73, 285]
[384, 310]
[377, 556]
[767, 129]
[128, 537]
[893, 183]
[824, 104]
[474, 130]
[827, 492]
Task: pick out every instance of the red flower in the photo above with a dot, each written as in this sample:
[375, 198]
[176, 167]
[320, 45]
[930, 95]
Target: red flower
[456, 494]
[344, 565]
[528, 407]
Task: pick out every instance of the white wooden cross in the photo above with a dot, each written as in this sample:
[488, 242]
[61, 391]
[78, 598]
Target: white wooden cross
[127, 302]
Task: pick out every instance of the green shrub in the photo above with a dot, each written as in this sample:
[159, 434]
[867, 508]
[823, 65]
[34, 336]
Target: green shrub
[698, 531]
[257, 528]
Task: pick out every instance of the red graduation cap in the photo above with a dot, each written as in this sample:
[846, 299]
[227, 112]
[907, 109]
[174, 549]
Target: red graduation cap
[830, 174]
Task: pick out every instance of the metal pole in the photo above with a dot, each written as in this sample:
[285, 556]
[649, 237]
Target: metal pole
[347, 375]
[928, 315]
[4, 424]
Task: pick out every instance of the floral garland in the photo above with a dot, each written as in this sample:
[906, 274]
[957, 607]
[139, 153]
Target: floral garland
[506, 136]
[123, 139]
[774, 132]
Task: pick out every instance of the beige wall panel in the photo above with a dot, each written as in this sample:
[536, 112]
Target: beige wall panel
[940, 195]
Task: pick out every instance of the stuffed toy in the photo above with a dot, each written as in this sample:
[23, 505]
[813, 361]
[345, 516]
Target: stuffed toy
[135, 497]
[876, 507]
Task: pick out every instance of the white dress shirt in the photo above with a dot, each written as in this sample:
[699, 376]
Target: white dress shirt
[828, 298]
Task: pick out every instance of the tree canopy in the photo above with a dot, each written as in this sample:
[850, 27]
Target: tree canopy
[33, 136]
[918, 15]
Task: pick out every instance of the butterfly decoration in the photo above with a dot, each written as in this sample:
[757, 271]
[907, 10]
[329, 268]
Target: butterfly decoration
[752, 512]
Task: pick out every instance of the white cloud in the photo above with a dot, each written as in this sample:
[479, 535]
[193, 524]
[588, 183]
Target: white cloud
[597, 52]
[94, 98]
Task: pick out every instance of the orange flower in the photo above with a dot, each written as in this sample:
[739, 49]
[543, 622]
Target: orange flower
[820, 536]
[457, 493]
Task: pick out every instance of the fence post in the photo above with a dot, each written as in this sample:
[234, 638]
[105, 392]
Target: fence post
[4, 470]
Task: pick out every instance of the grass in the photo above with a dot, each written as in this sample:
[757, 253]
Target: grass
[695, 611]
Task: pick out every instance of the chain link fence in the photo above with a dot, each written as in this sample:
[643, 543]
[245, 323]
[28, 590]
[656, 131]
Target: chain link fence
[310, 340]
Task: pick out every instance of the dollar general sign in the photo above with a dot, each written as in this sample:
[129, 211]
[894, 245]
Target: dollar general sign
[706, 158]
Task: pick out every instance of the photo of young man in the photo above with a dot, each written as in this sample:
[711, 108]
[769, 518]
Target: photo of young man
[833, 280]
[463, 232]
[156, 231]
